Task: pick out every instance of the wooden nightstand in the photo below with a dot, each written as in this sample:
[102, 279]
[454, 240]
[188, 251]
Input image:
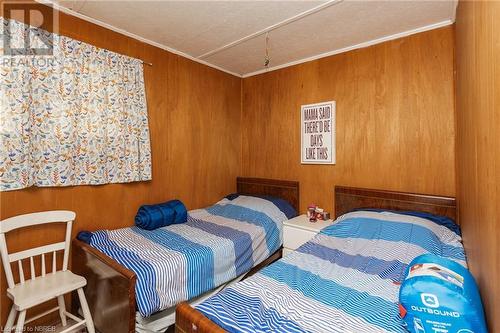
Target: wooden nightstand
[299, 230]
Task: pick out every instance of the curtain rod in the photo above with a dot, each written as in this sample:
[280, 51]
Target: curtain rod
[146, 63]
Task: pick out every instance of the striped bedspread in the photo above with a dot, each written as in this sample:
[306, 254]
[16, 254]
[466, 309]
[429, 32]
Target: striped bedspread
[346, 279]
[181, 261]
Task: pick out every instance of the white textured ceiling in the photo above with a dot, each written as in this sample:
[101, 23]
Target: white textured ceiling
[194, 28]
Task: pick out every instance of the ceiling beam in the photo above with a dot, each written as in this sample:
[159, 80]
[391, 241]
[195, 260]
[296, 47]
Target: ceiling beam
[270, 28]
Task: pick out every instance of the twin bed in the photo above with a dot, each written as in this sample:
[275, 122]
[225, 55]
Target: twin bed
[346, 279]
[136, 277]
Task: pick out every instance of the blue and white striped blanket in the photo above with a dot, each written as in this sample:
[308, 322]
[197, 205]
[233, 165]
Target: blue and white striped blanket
[179, 262]
[346, 279]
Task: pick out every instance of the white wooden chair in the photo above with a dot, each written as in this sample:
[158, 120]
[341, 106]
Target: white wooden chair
[39, 289]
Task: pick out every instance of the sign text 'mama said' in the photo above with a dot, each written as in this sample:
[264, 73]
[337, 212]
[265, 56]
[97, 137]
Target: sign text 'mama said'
[318, 133]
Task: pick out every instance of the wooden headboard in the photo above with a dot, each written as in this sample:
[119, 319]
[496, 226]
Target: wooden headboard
[350, 198]
[285, 189]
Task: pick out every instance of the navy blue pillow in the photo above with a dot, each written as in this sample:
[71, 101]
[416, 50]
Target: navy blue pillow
[282, 204]
[232, 196]
[84, 236]
[441, 220]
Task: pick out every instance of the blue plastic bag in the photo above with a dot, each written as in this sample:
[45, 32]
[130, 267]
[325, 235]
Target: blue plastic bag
[440, 296]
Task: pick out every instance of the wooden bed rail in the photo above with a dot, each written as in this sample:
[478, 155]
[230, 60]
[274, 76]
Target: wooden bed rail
[110, 289]
[188, 320]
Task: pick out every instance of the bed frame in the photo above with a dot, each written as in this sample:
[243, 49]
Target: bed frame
[189, 320]
[348, 199]
[110, 289]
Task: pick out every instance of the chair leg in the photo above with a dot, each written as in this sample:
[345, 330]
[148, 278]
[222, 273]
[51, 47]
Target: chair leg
[20, 322]
[62, 309]
[86, 311]
[10, 320]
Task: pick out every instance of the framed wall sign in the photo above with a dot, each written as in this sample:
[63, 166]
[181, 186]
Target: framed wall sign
[318, 133]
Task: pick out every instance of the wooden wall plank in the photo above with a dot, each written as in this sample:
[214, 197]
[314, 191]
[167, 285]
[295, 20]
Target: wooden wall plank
[395, 119]
[478, 152]
[194, 119]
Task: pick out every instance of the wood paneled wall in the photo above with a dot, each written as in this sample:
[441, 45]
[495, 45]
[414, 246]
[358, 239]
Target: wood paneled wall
[194, 119]
[395, 130]
[478, 150]
[395, 119]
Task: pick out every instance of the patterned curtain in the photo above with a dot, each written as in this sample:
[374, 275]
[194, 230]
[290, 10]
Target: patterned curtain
[78, 117]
